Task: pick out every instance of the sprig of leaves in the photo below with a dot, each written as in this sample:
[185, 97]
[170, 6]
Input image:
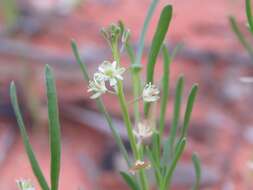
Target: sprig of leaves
[54, 133]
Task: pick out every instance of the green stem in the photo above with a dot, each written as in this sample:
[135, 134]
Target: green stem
[136, 64]
[143, 179]
[123, 104]
[135, 81]
[101, 105]
[136, 93]
[126, 119]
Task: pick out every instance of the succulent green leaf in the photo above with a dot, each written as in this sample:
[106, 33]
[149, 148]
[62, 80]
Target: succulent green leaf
[170, 142]
[54, 128]
[156, 45]
[169, 173]
[165, 88]
[240, 36]
[197, 167]
[130, 181]
[189, 107]
[158, 39]
[148, 18]
[33, 161]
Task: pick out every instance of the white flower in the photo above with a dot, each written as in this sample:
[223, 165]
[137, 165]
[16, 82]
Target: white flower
[143, 132]
[111, 72]
[138, 165]
[97, 86]
[150, 93]
[25, 184]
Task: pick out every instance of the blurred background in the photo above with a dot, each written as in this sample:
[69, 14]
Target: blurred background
[34, 33]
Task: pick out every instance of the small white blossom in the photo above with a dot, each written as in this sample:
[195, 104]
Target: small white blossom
[111, 72]
[25, 184]
[143, 132]
[97, 86]
[150, 93]
[138, 165]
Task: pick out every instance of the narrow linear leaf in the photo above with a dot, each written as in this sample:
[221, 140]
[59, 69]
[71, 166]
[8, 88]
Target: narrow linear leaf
[156, 147]
[189, 107]
[169, 145]
[175, 51]
[240, 36]
[151, 157]
[165, 87]
[156, 45]
[33, 161]
[148, 18]
[101, 106]
[79, 61]
[155, 166]
[54, 128]
[171, 169]
[130, 52]
[158, 39]
[136, 64]
[130, 181]
[197, 168]
[249, 15]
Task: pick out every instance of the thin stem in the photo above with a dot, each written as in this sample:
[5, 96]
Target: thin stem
[143, 33]
[136, 92]
[101, 106]
[126, 119]
[123, 104]
[134, 100]
[136, 63]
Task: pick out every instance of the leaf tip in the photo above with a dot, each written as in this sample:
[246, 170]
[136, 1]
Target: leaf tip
[73, 42]
[195, 88]
[12, 88]
[181, 77]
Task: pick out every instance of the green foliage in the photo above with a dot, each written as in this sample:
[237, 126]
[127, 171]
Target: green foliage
[158, 39]
[163, 157]
[130, 181]
[169, 172]
[249, 14]
[189, 107]
[241, 37]
[197, 167]
[165, 87]
[170, 142]
[54, 128]
[163, 161]
[100, 104]
[34, 163]
[54, 133]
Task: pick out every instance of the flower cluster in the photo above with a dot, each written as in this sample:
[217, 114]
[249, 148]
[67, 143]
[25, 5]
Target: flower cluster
[138, 165]
[107, 71]
[111, 72]
[150, 93]
[143, 132]
[25, 184]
